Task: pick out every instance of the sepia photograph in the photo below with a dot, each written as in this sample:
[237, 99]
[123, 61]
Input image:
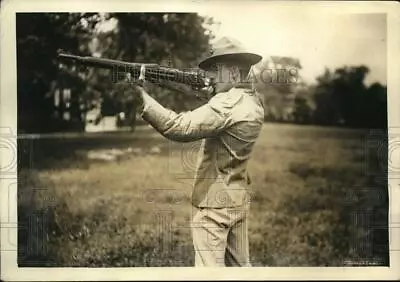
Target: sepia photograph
[238, 136]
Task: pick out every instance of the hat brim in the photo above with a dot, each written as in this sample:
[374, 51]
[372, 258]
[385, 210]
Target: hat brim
[243, 58]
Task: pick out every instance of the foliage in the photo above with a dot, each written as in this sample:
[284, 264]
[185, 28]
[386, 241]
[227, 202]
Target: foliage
[177, 40]
[276, 78]
[141, 37]
[338, 98]
[343, 98]
[39, 37]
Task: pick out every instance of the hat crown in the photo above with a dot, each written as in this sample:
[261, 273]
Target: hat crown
[228, 48]
[227, 45]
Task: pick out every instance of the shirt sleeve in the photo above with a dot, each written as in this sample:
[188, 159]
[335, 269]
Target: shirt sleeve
[206, 121]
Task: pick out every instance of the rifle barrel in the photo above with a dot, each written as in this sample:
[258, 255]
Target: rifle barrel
[103, 63]
[154, 73]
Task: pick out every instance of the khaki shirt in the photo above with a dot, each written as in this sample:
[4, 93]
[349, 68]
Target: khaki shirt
[229, 125]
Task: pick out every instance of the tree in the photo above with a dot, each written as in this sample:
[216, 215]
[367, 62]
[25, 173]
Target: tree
[276, 78]
[343, 98]
[177, 40]
[39, 37]
[326, 112]
[161, 38]
[375, 106]
[302, 110]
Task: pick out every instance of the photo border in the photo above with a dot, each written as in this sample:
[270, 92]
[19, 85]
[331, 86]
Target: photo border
[8, 125]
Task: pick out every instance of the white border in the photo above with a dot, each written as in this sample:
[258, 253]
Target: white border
[8, 96]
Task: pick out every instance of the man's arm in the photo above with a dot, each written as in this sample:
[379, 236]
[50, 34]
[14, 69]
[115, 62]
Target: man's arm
[205, 121]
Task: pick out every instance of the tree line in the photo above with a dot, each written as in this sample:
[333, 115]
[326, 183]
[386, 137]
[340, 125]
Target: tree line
[338, 98]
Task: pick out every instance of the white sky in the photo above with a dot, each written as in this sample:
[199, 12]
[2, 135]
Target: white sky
[318, 40]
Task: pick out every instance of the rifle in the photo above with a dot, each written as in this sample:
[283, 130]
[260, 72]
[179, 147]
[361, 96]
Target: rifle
[153, 73]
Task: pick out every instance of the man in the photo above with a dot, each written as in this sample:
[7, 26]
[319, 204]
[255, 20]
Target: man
[229, 124]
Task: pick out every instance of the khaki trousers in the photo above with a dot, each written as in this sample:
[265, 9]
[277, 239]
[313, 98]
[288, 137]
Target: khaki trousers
[220, 236]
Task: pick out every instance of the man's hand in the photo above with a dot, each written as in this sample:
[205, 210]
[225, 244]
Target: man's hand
[137, 87]
[140, 89]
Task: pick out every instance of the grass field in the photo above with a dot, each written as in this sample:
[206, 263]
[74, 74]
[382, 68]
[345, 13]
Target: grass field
[316, 192]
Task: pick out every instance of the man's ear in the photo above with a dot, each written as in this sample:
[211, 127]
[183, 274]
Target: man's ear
[234, 74]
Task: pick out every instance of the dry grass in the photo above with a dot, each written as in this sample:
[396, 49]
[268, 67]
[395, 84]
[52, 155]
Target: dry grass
[136, 211]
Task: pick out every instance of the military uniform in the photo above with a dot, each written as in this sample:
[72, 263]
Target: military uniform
[229, 125]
